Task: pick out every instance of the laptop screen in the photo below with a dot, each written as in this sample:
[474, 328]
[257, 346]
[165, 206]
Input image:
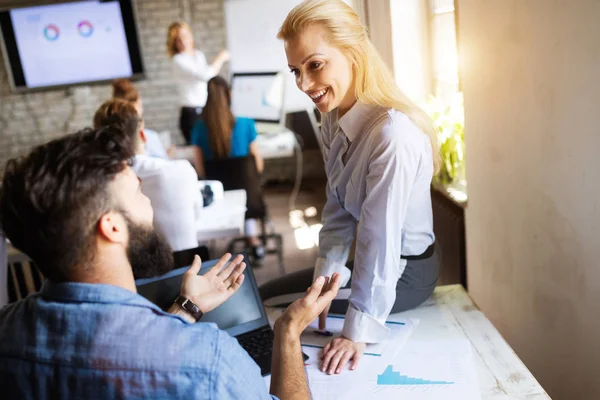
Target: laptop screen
[257, 95]
[242, 313]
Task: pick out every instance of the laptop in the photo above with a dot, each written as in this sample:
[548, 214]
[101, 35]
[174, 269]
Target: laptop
[243, 315]
[259, 95]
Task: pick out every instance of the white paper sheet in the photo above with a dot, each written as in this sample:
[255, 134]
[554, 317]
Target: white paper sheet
[399, 333]
[441, 370]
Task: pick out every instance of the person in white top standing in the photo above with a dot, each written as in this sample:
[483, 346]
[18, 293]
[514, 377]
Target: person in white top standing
[171, 185]
[380, 153]
[191, 72]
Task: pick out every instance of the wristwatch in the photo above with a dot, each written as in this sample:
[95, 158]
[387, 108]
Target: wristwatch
[190, 307]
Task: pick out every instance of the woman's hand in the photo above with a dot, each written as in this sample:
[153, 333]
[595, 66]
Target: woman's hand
[323, 318]
[338, 352]
[212, 289]
[223, 56]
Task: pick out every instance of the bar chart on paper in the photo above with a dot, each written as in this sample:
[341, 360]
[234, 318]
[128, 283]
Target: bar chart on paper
[428, 372]
[421, 371]
[389, 377]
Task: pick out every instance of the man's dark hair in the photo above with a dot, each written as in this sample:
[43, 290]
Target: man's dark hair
[52, 199]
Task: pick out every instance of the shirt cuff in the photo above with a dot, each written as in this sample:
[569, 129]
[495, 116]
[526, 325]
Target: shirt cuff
[325, 268]
[361, 327]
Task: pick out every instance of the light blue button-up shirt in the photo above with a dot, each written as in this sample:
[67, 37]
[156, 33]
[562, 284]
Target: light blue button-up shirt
[90, 341]
[379, 167]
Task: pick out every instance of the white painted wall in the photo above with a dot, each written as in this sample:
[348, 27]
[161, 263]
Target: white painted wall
[531, 83]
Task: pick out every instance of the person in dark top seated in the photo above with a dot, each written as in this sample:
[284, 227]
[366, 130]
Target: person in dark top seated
[74, 205]
[220, 134]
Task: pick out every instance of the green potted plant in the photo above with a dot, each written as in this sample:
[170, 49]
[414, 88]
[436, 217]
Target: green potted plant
[449, 120]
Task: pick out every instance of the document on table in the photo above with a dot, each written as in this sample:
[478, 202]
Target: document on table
[399, 333]
[441, 370]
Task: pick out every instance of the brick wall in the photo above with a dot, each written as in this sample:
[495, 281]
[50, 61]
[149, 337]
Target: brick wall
[29, 119]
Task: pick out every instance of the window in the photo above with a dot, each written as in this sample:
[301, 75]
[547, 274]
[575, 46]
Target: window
[444, 51]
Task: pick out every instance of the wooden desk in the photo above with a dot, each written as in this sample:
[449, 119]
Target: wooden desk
[224, 217]
[451, 314]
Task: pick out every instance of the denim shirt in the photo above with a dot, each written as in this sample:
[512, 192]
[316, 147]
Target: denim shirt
[93, 341]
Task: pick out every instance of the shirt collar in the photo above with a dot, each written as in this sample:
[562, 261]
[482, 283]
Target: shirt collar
[355, 120]
[76, 292]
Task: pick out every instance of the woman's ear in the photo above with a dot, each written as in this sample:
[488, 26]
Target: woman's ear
[143, 137]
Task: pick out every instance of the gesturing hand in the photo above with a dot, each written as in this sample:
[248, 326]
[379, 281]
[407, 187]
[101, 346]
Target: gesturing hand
[302, 312]
[212, 289]
[224, 55]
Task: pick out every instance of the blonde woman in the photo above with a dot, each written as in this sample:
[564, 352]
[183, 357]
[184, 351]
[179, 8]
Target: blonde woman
[192, 72]
[380, 155]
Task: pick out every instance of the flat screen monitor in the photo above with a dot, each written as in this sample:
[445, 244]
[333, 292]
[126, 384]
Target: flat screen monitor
[257, 95]
[71, 43]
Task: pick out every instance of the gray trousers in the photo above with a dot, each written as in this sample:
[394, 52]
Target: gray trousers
[413, 288]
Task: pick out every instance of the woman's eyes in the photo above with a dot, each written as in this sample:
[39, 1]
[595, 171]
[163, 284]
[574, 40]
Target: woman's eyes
[315, 65]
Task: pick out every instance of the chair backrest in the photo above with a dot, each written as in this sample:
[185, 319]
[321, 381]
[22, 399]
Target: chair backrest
[239, 173]
[24, 278]
[185, 258]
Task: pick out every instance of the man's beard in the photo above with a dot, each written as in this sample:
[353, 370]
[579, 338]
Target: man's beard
[148, 252]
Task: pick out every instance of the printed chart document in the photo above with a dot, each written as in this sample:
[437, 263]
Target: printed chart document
[399, 333]
[442, 370]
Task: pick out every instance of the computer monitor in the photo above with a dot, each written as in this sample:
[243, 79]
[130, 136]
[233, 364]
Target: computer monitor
[258, 95]
[70, 43]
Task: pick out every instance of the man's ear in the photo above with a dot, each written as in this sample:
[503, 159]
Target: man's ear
[112, 227]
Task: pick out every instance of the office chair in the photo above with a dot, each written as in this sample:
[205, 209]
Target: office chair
[23, 279]
[240, 173]
[184, 258]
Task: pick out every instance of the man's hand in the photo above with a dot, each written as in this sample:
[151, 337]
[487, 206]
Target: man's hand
[303, 311]
[212, 289]
[288, 379]
[338, 352]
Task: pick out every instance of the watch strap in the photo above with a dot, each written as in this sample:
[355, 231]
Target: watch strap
[189, 306]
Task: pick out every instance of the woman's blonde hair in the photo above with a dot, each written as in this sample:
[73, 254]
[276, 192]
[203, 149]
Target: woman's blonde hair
[374, 83]
[172, 34]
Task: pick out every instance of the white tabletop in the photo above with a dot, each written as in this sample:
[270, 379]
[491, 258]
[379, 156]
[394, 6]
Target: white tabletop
[276, 145]
[224, 217]
[451, 314]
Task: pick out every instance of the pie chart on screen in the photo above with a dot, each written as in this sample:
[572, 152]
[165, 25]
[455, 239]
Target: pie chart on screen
[85, 28]
[51, 32]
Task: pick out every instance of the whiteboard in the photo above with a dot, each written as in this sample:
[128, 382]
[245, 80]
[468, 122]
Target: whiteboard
[252, 27]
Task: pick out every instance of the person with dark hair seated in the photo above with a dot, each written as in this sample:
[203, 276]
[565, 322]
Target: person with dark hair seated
[171, 185]
[219, 134]
[74, 205]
